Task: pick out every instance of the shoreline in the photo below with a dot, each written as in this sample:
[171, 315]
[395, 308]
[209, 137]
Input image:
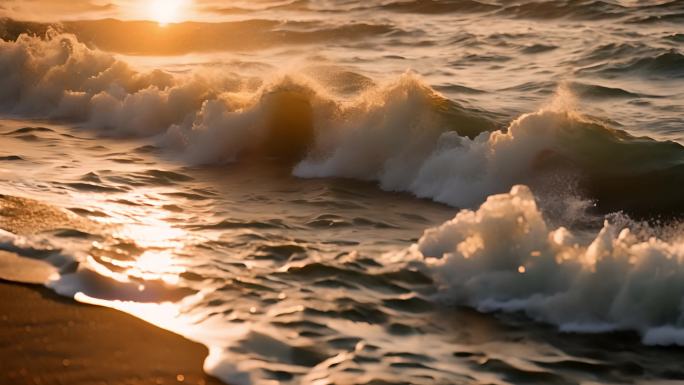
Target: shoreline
[49, 339]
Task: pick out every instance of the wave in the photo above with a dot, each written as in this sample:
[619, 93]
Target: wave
[668, 11]
[191, 37]
[615, 51]
[602, 92]
[401, 133]
[437, 6]
[554, 149]
[669, 18]
[675, 37]
[668, 64]
[632, 59]
[538, 48]
[583, 10]
[295, 5]
[504, 256]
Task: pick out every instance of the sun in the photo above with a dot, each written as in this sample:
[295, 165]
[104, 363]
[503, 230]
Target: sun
[165, 11]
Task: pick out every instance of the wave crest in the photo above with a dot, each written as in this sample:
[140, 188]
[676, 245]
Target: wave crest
[504, 257]
[401, 133]
[554, 149]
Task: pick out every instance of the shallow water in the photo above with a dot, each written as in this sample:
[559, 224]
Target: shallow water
[283, 182]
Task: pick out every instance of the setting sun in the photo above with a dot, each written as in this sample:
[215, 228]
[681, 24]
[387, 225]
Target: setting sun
[165, 11]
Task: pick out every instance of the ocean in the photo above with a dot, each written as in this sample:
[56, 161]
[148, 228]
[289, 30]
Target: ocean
[359, 192]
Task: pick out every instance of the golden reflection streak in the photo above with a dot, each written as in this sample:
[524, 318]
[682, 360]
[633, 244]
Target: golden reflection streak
[156, 234]
[158, 241]
[152, 265]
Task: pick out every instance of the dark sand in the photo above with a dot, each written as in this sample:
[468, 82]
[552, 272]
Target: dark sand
[48, 339]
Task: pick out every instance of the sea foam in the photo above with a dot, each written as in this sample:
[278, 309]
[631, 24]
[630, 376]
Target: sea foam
[505, 257]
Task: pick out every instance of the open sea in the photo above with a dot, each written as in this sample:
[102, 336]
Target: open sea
[352, 192]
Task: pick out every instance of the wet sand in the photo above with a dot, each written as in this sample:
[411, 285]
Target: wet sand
[47, 339]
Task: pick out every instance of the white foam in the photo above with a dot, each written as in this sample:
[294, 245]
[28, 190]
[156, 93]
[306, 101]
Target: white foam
[59, 77]
[504, 257]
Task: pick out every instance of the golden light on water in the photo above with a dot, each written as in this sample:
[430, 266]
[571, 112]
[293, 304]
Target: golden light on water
[155, 233]
[156, 265]
[165, 12]
[157, 262]
[156, 242]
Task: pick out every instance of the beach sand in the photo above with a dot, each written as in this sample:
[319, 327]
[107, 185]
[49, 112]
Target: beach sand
[48, 339]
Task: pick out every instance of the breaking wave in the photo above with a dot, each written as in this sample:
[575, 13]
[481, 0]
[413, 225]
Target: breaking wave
[504, 256]
[400, 133]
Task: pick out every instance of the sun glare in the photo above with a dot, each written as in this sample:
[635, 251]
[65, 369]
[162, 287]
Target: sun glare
[165, 12]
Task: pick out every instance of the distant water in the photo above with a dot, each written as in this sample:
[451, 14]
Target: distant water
[376, 192]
